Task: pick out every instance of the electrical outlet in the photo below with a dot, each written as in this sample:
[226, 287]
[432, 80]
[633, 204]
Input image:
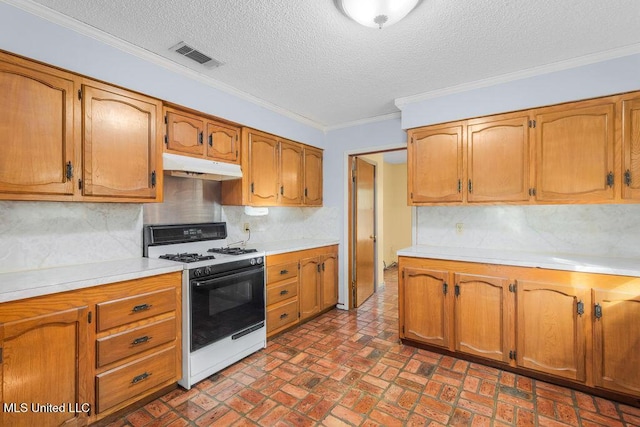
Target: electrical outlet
[246, 227]
[459, 228]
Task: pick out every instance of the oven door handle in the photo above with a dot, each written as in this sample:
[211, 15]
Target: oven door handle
[213, 281]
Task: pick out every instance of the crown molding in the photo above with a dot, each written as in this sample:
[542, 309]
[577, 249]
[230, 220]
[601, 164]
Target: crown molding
[368, 120]
[518, 75]
[101, 36]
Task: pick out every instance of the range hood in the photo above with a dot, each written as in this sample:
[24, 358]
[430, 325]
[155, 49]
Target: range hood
[191, 167]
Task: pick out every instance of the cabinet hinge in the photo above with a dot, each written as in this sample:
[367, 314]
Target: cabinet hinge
[210, 140]
[166, 119]
[597, 311]
[532, 123]
[456, 290]
[80, 94]
[445, 288]
[532, 192]
[200, 138]
[512, 287]
[580, 308]
[318, 268]
[306, 193]
[610, 179]
[252, 188]
[89, 317]
[166, 140]
[470, 187]
[298, 265]
[460, 186]
[512, 355]
[79, 184]
[153, 179]
[323, 266]
[69, 170]
[281, 190]
[627, 178]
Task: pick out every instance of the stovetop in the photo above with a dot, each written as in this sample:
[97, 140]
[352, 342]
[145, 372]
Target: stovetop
[187, 257]
[231, 251]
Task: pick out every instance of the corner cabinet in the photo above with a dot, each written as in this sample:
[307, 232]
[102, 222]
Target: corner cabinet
[560, 326]
[68, 138]
[277, 172]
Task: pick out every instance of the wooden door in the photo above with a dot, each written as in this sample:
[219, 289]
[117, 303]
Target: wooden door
[483, 316]
[631, 149]
[44, 361]
[184, 133]
[263, 169]
[435, 165]
[616, 341]
[498, 159]
[291, 174]
[575, 149]
[329, 282]
[36, 130]
[364, 260]
[309, 296]
[120, 144]
[222, 142]
[312, 176]
[550, 329]
[426, 309]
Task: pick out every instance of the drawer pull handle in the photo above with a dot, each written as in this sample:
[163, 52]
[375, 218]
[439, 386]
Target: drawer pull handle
[140, 377]
[284, 271]
[284, 316]
[141, 307]
[284, 292]
[141, 340]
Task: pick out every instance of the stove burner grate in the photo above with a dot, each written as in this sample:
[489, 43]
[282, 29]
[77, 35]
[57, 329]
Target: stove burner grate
[232, 251]
[187, 257]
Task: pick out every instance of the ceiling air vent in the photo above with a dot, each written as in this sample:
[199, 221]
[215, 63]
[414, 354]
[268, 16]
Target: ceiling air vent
[192, 53]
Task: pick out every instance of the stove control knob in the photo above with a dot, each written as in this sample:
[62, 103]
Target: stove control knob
[259, 260]
[207, 270]
[197, 272]
[253, 261]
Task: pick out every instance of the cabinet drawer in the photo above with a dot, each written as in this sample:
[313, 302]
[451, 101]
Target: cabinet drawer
[126, 310]
[275, 273]
[281, 316]
[282, 291]
[122, 383]
[134, 341]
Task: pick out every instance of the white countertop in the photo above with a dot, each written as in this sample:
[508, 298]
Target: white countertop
[32, 283]
[273, 248]
[567, 262]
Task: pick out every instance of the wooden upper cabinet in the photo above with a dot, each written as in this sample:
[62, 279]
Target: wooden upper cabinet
[498, 159]
[313, 176]
[120, 145]
[262, 169]
[575, 152]
[291, 173]
[631, 149]
[435, 166]
[551, 329]
[482, 307]
[426, 310]
[615, 341]
[185, 133]
[36, 129]
[222, 142]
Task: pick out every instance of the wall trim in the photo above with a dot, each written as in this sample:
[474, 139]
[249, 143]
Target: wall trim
[368, 120]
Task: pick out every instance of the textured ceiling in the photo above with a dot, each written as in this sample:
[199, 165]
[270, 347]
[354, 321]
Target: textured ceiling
[308, 58]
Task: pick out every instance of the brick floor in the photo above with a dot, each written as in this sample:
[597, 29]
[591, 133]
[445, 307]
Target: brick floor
[348, 368]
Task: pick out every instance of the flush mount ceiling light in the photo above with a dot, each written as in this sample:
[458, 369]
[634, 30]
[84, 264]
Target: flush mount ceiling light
[376, 13]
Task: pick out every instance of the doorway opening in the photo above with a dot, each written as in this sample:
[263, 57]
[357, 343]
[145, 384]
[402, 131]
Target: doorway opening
[380, 220]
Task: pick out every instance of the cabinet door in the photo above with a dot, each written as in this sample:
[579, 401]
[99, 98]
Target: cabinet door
[120, 144]
[616, 340]
[184, 133]
[550, 329]
[575, 153]
[631, 148]
[45, 362]
[263, 169]
[498, 159]
[482, 311]
[329, 282]
[36, 130]
[309, 295]
[291, 175]
[435, 165]
[222, 142]
[426, 306]
[312, 176]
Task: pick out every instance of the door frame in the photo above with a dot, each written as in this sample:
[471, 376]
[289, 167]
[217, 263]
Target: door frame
[346, 295]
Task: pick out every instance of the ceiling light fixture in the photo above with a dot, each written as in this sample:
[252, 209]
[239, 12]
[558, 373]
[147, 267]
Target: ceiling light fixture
[376, 13]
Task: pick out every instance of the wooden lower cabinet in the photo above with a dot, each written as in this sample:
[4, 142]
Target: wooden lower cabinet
[66, 349]
[560, 326]
[300, 285]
